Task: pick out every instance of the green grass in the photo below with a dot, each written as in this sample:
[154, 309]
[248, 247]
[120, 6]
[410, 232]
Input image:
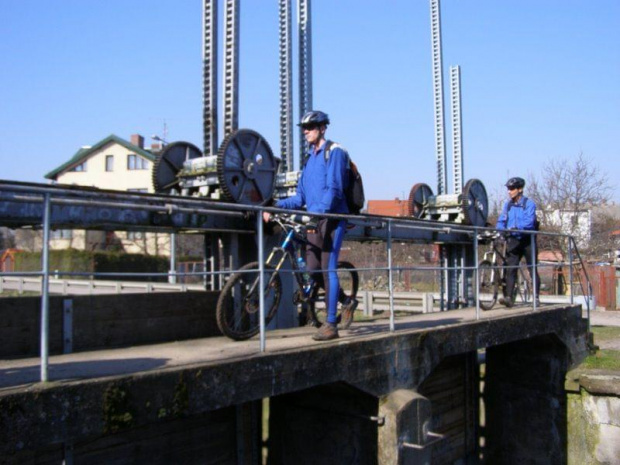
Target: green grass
[605, 333]
[603, 359]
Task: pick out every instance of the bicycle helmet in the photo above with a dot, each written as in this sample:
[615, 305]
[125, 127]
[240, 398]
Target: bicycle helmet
[314, 118]
[515, 183]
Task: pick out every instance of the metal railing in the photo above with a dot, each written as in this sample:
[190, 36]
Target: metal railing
[392, 301]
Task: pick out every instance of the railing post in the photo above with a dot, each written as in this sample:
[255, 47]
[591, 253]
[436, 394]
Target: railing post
[477, 271]
[533, 271]
[261, 279]
[45, 302]
[172, 278]
[390, 283]
[570, 270]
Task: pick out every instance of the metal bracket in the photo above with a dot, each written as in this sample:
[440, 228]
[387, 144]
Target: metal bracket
[436, 438]
[67, 326]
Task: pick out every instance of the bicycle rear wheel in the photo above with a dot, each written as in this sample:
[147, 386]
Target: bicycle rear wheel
[237, 308]
[488, 287]
[349, 285]
[524, 285]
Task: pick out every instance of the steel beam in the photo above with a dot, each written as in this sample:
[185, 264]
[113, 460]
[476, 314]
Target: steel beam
[457, 132]
[209, 82]
[286, 88]
[231, 68]
[304, 22]
[440, 137]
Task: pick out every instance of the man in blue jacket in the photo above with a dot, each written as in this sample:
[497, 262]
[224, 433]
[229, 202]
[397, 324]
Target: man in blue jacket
[519, 213]
[321, 190]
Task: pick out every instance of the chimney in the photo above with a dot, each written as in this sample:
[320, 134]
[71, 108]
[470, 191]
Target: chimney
[137, 139]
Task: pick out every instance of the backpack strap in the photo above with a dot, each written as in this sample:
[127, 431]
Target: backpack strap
[328, 150]
[329, 145]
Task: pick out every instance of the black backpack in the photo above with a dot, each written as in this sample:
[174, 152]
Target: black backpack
[354, 190]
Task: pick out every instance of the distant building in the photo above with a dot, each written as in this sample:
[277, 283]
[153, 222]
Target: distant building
[578, 223]
[394, 207]
[112, 163]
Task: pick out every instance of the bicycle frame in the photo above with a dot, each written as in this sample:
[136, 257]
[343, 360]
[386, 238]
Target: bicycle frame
[288, 249]
[497, 258]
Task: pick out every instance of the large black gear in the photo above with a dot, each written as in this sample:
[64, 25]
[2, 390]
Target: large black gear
[418, 199]
[475, 203]
[169, 163]
[246, 168]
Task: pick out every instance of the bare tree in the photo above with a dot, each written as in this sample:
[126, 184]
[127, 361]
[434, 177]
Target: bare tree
[567, 190]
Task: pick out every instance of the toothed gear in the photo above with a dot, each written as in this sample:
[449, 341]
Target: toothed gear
[246, 168]
[475, 203]
[418, 199]
[169, 163]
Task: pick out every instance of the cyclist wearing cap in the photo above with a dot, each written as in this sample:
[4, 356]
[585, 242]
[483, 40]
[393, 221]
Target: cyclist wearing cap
[518, 214]
[321, 190]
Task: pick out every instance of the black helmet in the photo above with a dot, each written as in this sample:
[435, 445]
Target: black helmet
[515, 183]
[314, 118]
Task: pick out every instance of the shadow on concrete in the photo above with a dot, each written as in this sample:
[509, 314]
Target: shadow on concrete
[14, 376]
[360, 329]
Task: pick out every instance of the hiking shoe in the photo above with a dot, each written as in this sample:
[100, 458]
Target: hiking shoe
[326, 332]
[506, 301]
[347, 312]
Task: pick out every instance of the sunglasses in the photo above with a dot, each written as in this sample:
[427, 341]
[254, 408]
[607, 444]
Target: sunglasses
[310, 127]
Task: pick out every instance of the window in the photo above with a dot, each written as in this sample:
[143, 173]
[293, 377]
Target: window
[109, 162]
[136, 162]
[135, 235]
[61, 234]
[79, 168]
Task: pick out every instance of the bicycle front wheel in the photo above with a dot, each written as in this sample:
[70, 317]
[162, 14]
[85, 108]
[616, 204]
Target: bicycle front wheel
[488, 287]
[238, 305]
[349, 283]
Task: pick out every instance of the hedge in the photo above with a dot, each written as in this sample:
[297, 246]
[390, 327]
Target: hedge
[81, 261]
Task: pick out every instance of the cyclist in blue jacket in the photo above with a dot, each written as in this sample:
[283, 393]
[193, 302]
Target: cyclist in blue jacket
[321, 190]
[518, 213]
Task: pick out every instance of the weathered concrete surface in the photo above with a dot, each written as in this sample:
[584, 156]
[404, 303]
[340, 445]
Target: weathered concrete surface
[593, 417]
[105, 321]
[407, 422]
[134, 387]
[525, 402]
[330, 425]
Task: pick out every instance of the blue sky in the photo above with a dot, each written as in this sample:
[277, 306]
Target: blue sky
[540, 80]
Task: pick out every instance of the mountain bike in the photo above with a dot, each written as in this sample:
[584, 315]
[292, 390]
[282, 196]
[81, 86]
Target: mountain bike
[237, 308]
[492, 275]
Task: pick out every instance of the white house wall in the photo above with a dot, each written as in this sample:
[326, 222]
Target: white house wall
[120, 178]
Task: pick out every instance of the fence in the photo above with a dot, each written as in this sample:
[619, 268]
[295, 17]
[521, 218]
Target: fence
[388, 301]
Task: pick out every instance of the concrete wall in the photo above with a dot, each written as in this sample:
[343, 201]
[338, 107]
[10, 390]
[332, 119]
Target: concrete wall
[594, 418]
[526, 402]
[104, 321]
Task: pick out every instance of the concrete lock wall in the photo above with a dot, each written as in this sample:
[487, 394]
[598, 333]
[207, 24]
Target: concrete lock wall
[526, 402]
[594, 418]
[335, 424]
[208, 439]
[105, 321]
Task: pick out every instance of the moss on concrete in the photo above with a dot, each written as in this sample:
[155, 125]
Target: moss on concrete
[180, 402]
[116, 412]
[583, 433]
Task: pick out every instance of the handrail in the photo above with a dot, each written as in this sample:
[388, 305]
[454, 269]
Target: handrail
[585, 272]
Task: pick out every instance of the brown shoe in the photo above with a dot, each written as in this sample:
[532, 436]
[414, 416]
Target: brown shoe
[326, 332]
[506, 301]
[347, 313]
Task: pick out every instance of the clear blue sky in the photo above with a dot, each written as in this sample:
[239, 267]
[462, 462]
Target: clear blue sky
[540, 80]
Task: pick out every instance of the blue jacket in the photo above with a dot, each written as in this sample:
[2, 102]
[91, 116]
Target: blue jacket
[321, 186]
[522, 215]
